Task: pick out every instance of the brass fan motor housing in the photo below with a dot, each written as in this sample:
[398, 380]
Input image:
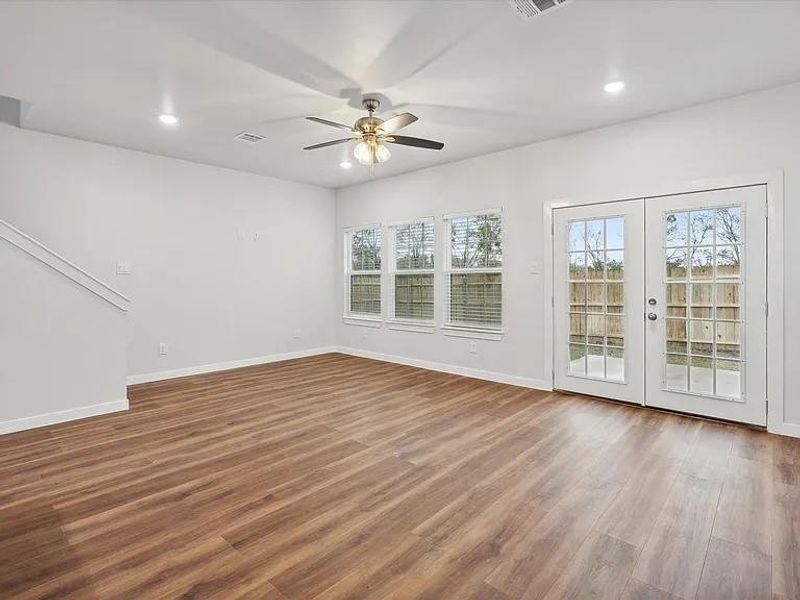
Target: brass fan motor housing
[368, 124]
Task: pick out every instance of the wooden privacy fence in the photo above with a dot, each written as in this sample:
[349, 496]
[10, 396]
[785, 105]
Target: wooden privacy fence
[699, 314]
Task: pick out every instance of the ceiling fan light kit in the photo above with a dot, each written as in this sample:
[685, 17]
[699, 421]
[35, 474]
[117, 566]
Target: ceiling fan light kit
[373, 133]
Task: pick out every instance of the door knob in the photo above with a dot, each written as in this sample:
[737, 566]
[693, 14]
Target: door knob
[652, 316]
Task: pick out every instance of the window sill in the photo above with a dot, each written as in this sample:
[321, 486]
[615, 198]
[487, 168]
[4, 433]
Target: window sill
[473, 332]
[362, 321]
[417, 327]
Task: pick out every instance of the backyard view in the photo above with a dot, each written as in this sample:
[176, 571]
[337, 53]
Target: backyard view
[703, 292]
[476, 257]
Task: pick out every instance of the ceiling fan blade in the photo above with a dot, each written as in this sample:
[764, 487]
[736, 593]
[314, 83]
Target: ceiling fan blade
[326, 144]
[397, 122]
[404, 140]
[330, 123]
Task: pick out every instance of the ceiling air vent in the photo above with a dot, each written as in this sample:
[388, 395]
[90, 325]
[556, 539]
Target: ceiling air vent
[250, 138]
[527, 9]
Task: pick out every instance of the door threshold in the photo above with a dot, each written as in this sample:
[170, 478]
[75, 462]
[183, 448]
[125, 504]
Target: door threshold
[664, 410]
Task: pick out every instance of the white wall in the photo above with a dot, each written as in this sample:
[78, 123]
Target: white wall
[199, 280]
[752, 133]
[62, 348]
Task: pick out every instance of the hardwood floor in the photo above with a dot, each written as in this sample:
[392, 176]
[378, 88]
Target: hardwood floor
[339, 477]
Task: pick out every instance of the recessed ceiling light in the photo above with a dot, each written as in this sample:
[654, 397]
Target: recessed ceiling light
[614, 87]
[345, 164]
[168, 119]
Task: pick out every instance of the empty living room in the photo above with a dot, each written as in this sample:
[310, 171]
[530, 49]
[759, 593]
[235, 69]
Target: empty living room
[399, 299]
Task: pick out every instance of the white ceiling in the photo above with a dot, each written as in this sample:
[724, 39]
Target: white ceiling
[479, 77]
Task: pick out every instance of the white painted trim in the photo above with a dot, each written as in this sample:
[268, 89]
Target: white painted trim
[774, 180]
[472, 213]
[55, 261]
[224, 366]
[413, 326]
[62, 416]
[477, 333]
[358, 321]
[527, 382]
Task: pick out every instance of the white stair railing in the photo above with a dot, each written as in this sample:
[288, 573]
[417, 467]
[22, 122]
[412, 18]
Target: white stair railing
[60, 264]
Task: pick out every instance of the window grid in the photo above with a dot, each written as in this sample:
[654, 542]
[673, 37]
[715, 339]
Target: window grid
[704, 296]
[473, 270]
[364, 271]
[413, 271]
[596, 291]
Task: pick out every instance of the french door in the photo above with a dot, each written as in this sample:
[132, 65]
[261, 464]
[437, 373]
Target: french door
[662, 301]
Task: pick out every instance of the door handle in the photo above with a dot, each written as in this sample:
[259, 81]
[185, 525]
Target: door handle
[652, 316]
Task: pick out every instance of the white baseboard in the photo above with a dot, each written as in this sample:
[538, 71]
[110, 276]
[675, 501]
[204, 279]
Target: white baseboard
[62, 416]
[224, 366]
[527, 382]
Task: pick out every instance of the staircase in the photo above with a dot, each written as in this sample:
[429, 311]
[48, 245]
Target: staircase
[63, 338]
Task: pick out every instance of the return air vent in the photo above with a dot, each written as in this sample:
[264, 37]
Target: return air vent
[249, 138]
[527, 9]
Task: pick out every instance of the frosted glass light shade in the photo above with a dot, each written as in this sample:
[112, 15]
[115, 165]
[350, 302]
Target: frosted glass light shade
[371, 153]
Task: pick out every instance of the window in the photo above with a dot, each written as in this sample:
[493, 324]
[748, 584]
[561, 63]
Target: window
[364, 271]
[412, 271]
[474, 271]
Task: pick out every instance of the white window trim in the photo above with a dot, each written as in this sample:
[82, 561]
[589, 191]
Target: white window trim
[470, 330]
[402, 324]
[361, 319]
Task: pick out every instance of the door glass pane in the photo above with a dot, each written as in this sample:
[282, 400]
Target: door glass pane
[676, 330]
[703, 346]
[701, 228]
[702, 263]
[729, 225]
[675, 298]
[677, 263]
[595, 363]
[577, 359]
[577, 266]
[615, 265]
[577, 297]
[615, 330]
[677, 369]
[597, 304]
[729, 378]
[577, 233]
[595, 297]
[577, 328]
[702, 302]
[701, 375]
[727, 262]
[615, 364]
[728, 304]
[595, 265]
[615, 298]
[676, 231]
[615, 233]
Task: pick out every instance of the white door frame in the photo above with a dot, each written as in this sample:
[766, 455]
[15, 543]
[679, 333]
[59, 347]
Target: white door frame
[774, 181]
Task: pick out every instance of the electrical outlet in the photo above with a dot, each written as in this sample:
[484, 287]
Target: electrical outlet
[163, 348]
[297, 334]
[123, 268]
[473, 347]
[363, 334]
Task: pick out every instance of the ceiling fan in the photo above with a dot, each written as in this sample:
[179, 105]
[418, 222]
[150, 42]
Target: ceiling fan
[373, 133]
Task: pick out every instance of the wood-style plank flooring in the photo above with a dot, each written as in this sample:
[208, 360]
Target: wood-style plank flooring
[340, 477]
